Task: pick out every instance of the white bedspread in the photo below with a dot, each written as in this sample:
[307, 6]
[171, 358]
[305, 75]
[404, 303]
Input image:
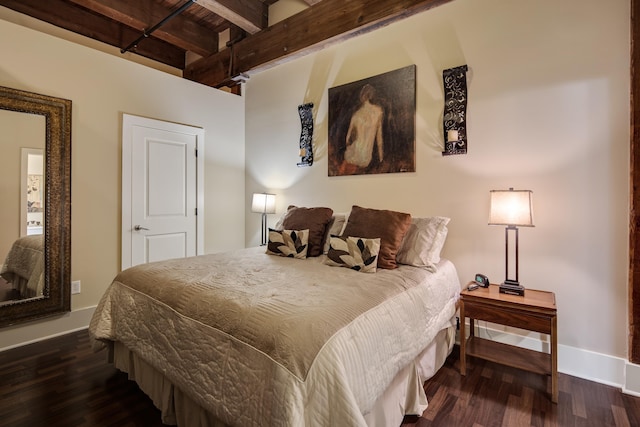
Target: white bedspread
[253, 339]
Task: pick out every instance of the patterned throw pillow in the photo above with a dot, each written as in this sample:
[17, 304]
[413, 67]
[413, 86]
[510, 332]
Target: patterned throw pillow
[288, 243]
[355, 253]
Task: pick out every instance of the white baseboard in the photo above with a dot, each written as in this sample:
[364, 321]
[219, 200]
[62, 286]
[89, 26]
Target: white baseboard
[27, 333]
[632, 376]
[577, 362]
[592, 366]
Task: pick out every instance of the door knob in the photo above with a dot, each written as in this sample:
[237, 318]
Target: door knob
[138, 228]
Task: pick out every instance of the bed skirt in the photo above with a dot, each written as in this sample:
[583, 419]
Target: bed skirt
[404, 396]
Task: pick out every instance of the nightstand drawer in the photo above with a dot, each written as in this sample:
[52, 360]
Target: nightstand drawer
[505, 316]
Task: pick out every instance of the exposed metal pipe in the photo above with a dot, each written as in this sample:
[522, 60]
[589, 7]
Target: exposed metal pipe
[147, 33]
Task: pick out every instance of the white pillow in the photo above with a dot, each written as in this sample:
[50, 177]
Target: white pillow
[423, 242]
[334, 228]
[280, 223]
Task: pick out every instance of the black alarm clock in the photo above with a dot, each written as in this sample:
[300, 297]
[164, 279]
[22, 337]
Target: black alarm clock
[482, 280]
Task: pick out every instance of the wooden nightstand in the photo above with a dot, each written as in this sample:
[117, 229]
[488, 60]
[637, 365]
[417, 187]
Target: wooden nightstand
[535, 311]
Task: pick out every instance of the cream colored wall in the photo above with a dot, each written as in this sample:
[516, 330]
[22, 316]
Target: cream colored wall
[102, 87]
[548, 111]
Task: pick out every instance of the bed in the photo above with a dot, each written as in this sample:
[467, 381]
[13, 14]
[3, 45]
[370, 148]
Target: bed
[248, 338]
[23, 266]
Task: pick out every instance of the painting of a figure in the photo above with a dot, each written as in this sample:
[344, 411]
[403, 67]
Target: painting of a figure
[372, 124]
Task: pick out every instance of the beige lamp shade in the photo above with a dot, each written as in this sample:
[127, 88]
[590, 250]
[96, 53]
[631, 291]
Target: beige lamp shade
[511, 207]
[263, 203]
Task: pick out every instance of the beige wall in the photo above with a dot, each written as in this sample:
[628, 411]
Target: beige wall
[102, 87]
[548, 111]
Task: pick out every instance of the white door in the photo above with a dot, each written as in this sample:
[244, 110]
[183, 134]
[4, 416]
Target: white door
[160, 208]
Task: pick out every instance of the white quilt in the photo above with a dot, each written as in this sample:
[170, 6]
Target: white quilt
[262, 340]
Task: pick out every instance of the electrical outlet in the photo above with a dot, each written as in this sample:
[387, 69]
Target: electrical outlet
[75, 287]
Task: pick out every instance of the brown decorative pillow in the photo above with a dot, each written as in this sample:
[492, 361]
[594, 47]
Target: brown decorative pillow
[389, 226]
[313, 219]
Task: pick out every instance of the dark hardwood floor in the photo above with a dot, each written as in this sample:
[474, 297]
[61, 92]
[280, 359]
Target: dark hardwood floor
[495, 395]
[62, 383]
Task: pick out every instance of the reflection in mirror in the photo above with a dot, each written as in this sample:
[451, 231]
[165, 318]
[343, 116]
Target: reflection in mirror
[32, 192]
[35, 173]
[22, 144]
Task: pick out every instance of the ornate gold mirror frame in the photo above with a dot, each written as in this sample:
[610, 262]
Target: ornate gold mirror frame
[57, 228]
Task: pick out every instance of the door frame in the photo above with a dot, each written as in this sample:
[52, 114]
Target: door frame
[634, 196]
[128, 122]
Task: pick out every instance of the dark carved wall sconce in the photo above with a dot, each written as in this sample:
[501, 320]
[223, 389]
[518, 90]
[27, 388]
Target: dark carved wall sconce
[455, 110]
[306, 134]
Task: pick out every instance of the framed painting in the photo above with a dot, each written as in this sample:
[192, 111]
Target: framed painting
[372, 124]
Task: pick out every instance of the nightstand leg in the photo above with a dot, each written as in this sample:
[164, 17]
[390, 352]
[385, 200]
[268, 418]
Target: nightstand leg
[554, 359]
[463, 343]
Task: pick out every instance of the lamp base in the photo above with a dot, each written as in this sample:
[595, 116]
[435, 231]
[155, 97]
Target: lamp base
[512, 287]
[265, 235]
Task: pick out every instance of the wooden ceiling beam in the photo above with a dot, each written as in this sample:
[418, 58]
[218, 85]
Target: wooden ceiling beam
[66, 15]
[250, 15]
[329, 21]
[144, 14]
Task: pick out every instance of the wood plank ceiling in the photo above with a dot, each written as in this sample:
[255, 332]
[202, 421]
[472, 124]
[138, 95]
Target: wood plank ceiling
[187, 34]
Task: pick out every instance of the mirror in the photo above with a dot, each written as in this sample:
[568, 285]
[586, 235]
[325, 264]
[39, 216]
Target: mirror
[35, 222]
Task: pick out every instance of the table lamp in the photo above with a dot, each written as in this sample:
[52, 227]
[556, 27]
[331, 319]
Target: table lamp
[514, 209]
